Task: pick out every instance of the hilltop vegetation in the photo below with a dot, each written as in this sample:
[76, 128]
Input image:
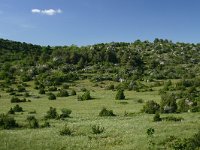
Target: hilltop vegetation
[105, 96]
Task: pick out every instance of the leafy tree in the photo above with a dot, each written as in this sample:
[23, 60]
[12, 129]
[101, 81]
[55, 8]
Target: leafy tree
[120, 95]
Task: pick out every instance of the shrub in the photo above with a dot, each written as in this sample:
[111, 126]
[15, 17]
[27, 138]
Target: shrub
[65, 86]
[110, 87]
[140, 101]
[51, 96]
[73, 92]
[26, 94]
[66, 131]
[105, 112]
[150, 131]
[42, 91]
[156, 117]
[51, 113]
[168, 103]
[53, 88]
[65, 113]
[46, 125]
[11, 111]
[172, 118]
[17, 108]
[63, 93]
[15, 100]
[120, 95]
[84, 89]
[85, 96]
[32, 122]
[7, 122]
[151, 107]
[20, 88]
[182, 106]
[97, 129]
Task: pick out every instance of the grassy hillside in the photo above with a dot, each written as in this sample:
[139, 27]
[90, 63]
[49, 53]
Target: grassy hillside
[161, 73]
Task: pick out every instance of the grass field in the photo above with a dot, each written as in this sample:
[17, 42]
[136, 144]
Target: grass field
[121, 132]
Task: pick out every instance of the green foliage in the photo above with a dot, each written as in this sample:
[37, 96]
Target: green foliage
[120, 95]
[168, 103]
[51, 113]
[156, 117]
[21, 88]
[96, 129]
[17, 100]
[11, 111]
[150, 132]
[73, 92]
[51, 96]
[63, 93]
[192, 143]
[17, 108]
[7, 122]
[85, 96]
[66, 131]
[52, 88]
[32, 122]
[46, 125]
[41, 91]
[172, 118]
[65, 113]
[106, 112]
[65, 86]
[183, 106]
[110, 87]
[151, 107]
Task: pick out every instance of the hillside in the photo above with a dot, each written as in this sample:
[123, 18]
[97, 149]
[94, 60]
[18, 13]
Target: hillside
[138, 95]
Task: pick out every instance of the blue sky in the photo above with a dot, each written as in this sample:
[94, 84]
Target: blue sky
[84, 22]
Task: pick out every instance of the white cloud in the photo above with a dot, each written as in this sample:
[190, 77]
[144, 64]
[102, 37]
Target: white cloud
[49, 12]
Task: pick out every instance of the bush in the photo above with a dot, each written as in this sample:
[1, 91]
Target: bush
[105, 112]
[21, 88]
[97, 129]
[53, 88]
[66, 131]
[183, 106]
[51, 96]
[85, 96]
[51, 113]
[84, 89]
[156, 117]
[7, 122]
[65, 113]
[110, 87]
[32, 122]
[172, 118]
[140, 101]
[65, 86]
[17, 108]
[168, 103]
[73, 92]
[11, 111]
[120, 95]
[46, 125]
[17, 100]
[151, 107]
[63, 93]
[42, 91]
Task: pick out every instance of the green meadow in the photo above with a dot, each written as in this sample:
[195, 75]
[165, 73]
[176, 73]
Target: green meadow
[126, 130]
